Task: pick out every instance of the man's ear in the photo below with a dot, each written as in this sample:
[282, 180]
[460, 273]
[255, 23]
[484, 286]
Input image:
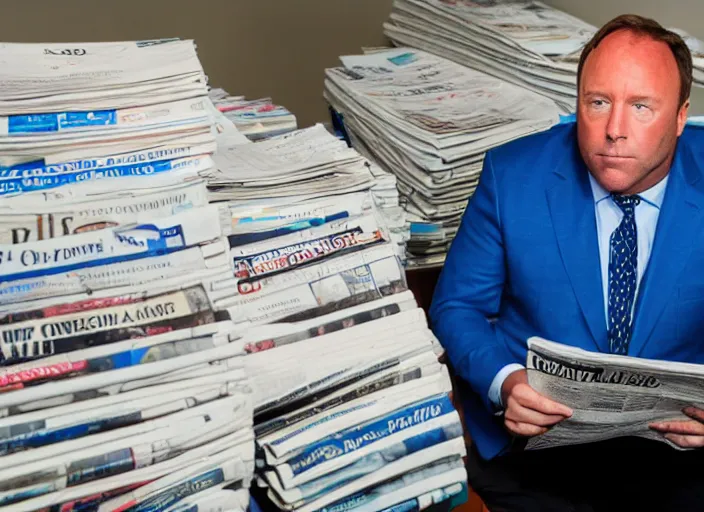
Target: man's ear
[682, 117]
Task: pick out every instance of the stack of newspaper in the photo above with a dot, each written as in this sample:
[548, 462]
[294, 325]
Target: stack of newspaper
[430, 121]
[308, 170]
[257, 119]
[525, 42]
[74, 106]
[122, 383]
[351, 405]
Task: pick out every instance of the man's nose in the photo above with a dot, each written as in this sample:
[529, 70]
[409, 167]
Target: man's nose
[616, 128]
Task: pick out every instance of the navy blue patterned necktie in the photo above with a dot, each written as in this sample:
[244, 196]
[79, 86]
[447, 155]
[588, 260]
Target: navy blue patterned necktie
[623, 271]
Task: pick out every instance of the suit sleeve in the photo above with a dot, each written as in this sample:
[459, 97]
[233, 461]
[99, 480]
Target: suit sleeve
[469, 291]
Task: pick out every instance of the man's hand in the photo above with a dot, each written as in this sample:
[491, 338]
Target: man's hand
[527, 412]
[685, 433]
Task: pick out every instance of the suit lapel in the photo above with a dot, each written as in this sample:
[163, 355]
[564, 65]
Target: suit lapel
[679, 218]
[571, 204]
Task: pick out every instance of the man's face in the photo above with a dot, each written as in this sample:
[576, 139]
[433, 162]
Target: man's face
[628, 118]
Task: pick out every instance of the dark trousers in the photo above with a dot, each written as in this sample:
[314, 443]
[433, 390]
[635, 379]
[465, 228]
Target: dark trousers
[624, 475]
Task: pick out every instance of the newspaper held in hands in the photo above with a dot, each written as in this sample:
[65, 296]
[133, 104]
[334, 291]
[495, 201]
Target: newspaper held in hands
[611, 395]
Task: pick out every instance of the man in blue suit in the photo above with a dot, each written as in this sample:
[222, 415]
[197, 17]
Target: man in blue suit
[589, 234]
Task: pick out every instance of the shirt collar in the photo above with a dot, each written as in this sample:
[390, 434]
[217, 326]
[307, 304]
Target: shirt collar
[653, 196]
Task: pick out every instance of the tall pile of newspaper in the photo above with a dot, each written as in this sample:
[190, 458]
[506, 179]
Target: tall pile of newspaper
[430, 121]
[256, 119]
[351, 405]
[123, 383]
[308, 167]
[525, 42]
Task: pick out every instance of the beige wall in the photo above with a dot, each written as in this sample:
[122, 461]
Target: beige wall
[684, 14]
[276, 48]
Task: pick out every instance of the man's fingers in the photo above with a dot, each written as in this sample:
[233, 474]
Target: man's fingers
[518, 413]
[685, 441]
[524, 429]
[687, 428]
[531, 399]
[693, 412]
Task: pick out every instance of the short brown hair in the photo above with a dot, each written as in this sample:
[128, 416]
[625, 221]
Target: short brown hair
[650, 28]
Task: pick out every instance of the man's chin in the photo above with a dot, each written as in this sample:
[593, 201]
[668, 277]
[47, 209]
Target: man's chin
[615, 180]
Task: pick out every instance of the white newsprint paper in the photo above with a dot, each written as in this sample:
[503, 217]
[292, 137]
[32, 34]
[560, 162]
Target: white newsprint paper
[610, 395]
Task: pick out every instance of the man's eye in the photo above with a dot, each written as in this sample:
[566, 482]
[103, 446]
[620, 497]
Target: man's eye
[640, 106]
[598, 103]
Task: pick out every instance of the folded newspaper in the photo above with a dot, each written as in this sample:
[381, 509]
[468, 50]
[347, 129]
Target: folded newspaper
[256, 119]
[611, 395]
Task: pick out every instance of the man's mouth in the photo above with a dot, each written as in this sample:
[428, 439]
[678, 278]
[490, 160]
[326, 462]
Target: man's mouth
[615, 157]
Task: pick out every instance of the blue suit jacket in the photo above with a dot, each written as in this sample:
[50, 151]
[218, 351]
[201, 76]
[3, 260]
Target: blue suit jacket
[527, 255]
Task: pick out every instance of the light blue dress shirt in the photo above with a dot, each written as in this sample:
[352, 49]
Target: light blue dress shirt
[608, 217]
